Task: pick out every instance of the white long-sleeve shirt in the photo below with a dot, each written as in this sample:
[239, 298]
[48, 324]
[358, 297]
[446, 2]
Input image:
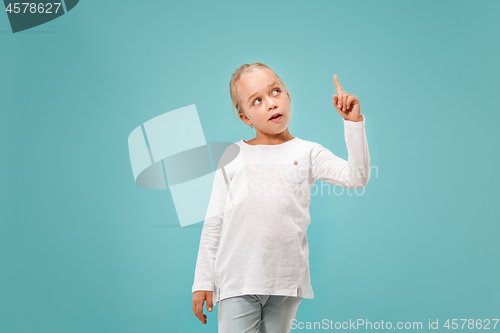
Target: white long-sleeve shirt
[254, 238]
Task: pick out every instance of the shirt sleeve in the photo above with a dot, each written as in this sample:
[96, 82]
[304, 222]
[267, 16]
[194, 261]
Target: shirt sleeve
[353, 173]
[210, 235]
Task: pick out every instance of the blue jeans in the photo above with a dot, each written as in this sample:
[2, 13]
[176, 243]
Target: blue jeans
[257, 313]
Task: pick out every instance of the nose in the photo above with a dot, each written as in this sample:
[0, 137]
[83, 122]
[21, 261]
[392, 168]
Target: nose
[271, 104]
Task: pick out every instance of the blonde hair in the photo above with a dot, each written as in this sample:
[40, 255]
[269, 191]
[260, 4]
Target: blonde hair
[237, 75]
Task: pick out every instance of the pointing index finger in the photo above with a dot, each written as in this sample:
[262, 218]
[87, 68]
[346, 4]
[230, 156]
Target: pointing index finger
[337, 84]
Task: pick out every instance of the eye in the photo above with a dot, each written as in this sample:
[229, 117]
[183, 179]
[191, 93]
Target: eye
[253, 103]
[278, 89]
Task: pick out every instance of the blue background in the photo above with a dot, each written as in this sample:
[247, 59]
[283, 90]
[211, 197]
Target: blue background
[80, 246]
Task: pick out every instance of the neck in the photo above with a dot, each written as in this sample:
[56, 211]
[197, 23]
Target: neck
[272, 139]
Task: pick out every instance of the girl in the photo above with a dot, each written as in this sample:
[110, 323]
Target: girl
[253, 258]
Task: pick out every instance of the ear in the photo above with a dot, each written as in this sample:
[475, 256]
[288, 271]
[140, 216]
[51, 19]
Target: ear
[245, 119]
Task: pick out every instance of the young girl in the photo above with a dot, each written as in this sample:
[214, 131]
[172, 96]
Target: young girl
[253, 258]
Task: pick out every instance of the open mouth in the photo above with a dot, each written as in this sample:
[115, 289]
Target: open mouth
[275, 117]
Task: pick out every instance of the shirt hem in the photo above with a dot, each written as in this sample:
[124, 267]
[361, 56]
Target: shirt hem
[282, 292]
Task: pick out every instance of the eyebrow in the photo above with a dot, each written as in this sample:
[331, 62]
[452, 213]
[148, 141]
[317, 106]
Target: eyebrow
[269, 86]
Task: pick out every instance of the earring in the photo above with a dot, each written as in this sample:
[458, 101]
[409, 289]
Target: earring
[251, 126]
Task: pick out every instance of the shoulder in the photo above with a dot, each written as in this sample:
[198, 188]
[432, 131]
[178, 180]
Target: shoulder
[308, 145]
[308, 149]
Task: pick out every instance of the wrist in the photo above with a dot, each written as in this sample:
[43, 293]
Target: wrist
[360, 118]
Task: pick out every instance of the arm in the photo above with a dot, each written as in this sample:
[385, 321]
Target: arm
[353, 173]
[210, 235]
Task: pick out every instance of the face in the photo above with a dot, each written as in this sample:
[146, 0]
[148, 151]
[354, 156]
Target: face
[261, 96]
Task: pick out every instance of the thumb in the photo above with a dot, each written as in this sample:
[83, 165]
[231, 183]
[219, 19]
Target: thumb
[209, 302]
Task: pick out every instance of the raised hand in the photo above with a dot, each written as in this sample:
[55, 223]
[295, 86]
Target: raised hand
[347, 105]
